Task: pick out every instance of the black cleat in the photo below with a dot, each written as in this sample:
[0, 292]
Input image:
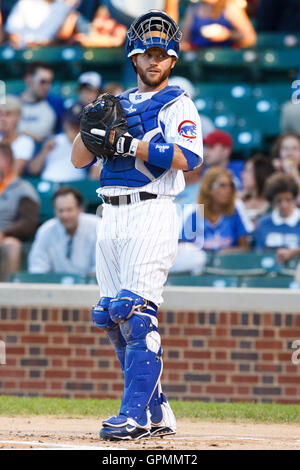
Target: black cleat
[123, 433]
[161, 431]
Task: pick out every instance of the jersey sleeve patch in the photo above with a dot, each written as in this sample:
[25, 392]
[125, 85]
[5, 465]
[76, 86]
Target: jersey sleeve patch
[188, 130]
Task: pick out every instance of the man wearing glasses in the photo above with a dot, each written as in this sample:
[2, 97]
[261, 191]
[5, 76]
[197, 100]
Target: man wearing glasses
[41, 110]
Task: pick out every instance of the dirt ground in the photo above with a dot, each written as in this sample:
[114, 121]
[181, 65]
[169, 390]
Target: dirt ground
[50, 432]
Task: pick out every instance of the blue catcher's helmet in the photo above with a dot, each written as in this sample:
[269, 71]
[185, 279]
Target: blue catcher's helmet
[153, 29]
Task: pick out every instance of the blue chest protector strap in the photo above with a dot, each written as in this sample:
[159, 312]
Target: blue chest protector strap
[143, 124]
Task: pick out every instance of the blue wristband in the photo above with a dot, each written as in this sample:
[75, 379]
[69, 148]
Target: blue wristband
[161, 155]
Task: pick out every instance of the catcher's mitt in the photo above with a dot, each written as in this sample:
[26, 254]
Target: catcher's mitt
[106, 117]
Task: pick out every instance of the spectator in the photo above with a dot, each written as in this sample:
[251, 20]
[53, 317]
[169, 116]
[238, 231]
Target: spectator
[285, 154]
[212, 23]
[22, 145]
[6, 7]
[280, 229]
[37, 22]
[89, 87]
[88, 8]
[224, 228]
[19, 213]
[66, 243]
[53, 162]
[290, 110]
[126, 12]
[257, 170]
[218, 149]
[114, 88]
[290, 117]
[103, 31]
[41, 110]
[192, 187]
[278, 15]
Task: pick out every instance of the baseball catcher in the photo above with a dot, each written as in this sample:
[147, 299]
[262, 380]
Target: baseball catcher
[157, 128]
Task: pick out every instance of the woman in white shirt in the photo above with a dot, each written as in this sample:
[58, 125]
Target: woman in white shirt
[22, 145]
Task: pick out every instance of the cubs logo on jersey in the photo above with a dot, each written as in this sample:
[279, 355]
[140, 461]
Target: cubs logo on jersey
[187, 129]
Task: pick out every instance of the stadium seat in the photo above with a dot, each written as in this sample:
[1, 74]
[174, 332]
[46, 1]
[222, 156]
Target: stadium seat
[218, 91]
[232, 63]
[49, 278]
[26, 246]
[277, 40]
[224, 121]
[276, 282]
[289, 269]
[275, 64]
[10, 63]
[203, 281]
[45, 190]
[262, 115]
[91, 279]
[54, 54]
[109, 61]
[104, 55]
[205, 105]
[66, 89]
[277, 92]
[88, 189]
[14, 87]
[243, 264]
[246, 141]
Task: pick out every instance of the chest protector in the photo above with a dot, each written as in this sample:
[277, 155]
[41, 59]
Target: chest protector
[143, 124]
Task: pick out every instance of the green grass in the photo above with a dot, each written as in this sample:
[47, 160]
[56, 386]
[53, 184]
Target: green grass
[230, 412]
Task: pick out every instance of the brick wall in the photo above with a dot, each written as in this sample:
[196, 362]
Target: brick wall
[208, 355]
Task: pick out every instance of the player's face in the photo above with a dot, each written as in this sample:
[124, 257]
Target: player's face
[284, 203]
[67, 211]
[153, 68]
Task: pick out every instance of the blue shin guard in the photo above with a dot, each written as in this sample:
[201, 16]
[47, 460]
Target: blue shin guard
[143, 367]
[143, 363]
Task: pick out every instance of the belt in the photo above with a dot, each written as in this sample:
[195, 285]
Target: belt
[128, 199]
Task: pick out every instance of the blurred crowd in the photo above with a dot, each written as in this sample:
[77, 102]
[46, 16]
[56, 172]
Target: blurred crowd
[249, 204]
[90, 23]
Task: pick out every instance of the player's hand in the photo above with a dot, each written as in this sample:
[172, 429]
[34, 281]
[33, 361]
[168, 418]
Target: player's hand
[215, 32]
[126, 145]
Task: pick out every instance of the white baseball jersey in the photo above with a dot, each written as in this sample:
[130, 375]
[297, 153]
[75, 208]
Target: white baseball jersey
[174, 118]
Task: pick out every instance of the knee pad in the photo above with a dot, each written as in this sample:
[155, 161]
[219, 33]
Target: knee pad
[100, 314]
[140, 332]
[101, 319]
[126, 303]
